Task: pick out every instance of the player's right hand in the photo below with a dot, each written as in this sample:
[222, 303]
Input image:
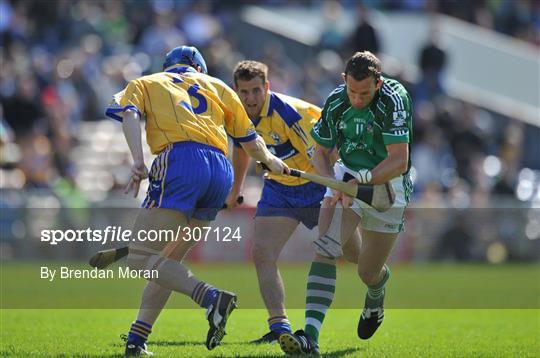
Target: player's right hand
[277, 166]
[336, 196]
[232, 198]
[139, 172]
[346, 201]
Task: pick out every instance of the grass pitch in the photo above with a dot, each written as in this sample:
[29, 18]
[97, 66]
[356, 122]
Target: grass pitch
[181, 333]
[451, 329]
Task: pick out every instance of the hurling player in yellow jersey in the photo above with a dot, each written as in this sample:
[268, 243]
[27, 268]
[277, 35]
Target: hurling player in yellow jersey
[284, 123]
[188, 118]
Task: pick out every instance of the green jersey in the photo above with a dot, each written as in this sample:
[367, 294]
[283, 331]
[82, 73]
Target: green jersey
[361, 135]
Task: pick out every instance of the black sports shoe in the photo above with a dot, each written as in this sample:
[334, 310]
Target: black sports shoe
[217, 315]
[270, 337]
[298, 343]
[370, 320]
[133, 350]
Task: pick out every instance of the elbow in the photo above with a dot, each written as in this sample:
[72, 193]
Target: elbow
[253, 147]
[403, 166]
[400, 163]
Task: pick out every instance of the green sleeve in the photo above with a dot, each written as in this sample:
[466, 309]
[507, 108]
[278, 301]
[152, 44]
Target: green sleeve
[324, 131]
[397, 125]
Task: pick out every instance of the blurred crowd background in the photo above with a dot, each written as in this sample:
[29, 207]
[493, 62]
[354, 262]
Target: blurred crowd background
[61, 62]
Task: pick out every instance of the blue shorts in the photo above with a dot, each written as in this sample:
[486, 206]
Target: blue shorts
[190, 177]
[299, 202]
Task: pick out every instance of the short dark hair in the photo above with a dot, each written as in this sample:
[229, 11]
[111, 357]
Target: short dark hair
[248, 70]
[362, 65]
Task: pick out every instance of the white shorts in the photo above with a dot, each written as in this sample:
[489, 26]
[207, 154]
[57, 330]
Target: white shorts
[390, 221]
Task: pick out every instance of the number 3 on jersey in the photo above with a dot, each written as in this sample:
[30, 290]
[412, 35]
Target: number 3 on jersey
[193, 92]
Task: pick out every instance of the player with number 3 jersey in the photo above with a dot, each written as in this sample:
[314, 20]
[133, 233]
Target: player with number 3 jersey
[189, 115]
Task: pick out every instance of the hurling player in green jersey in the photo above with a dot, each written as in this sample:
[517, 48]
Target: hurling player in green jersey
[368, 120]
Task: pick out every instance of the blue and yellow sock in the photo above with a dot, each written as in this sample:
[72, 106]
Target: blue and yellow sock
[279, 324]
[204, 294]
[139, 332]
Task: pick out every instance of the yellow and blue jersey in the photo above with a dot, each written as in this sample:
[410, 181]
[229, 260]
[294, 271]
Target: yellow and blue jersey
[188, 118]
[285, 124]
[183, 105]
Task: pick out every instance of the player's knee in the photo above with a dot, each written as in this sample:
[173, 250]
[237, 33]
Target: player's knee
[136, 262]
[369, 277]
[262, 254]
[142, 260]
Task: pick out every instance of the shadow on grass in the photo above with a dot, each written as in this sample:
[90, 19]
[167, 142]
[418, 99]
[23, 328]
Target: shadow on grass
[80, 355]
[175, 343]
[332, 354]
[259, 355]
[341, 352]
[182, 343]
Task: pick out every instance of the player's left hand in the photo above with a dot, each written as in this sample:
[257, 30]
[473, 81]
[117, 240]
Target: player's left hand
[139, 172]
[278, 166]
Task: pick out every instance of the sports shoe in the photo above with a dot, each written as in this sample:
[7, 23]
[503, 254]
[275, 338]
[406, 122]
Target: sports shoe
[370, 320]
[270, 337]
[217, 314]
[298, 343]
[134, 350]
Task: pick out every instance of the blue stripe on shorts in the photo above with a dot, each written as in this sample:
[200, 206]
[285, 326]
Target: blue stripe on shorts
[190, 177]
[299, 202]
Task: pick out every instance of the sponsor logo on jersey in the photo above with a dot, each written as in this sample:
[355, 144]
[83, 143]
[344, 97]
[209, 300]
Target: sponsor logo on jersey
[369, 126]
[275, 137]
[399, 118]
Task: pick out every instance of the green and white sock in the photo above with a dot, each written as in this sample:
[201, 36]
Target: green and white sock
[375, 294]
[319, 296]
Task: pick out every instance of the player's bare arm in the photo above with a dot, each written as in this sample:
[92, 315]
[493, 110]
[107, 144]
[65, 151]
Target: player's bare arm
[132, 132]
[392, 166]
[322, 161]
[240, 161]
[258, 151]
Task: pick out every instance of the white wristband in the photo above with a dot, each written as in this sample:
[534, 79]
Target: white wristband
[363, 176]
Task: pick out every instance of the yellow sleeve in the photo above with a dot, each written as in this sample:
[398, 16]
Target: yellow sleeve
[237, 123]
[299, 131]
[114, 110]
[133, 97]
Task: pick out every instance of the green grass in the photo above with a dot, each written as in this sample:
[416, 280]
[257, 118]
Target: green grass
[432, 310]
[180, 333]
[411, 286]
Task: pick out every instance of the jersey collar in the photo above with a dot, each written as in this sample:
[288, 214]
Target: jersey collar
[266, 109]
[180, 69]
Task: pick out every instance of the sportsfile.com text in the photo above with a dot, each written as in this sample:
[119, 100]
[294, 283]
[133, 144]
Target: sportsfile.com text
[118, 234]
